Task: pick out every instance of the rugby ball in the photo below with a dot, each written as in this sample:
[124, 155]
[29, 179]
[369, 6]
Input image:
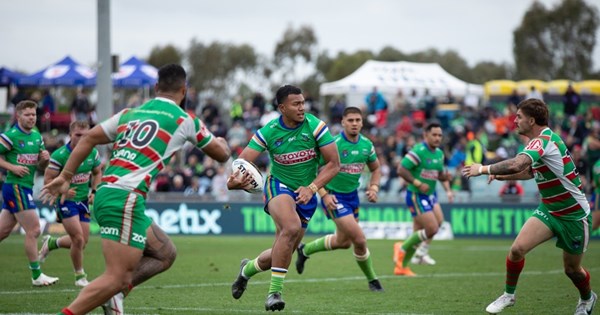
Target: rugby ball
[243, 166]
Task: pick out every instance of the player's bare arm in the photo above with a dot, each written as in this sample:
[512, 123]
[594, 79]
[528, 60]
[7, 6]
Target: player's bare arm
[407, 176]
[512, 166]
[18, 170]
[331, 166]
[60, 185]
[373, 188]
[218, 149]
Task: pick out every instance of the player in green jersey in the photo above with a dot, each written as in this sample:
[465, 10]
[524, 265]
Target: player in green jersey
[422, 168]
[23, 150]
[294, 141]
[563, 213]
[74, 213]
[340, 199]
[144, 140]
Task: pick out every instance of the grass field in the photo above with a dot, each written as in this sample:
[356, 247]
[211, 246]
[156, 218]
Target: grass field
[469, 275]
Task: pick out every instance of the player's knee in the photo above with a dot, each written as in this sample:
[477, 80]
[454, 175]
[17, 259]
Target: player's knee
[431, 232]
[291, 232]
[33, 232]
[77, 241]
[517, 252]
[169, 253]
[574, 272]
[360, 242]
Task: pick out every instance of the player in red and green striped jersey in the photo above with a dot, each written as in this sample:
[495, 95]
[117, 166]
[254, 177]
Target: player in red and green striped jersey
[564, 212]
[144, 140]
[23, 150]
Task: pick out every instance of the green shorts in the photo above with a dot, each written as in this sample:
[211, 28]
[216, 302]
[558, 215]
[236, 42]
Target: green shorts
[571, 236]
[120, 214]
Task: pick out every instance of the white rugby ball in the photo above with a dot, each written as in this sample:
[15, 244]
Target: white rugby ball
[243, 166]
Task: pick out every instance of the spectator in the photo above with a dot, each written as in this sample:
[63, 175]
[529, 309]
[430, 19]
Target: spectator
[269, 115]
[514, 99]
[191, 100]
[511, 188]
[80, 107]
[237, 111]
[571, 101]
[337, 108]
[210, 112]
[475, 152]
[177, 184]
[258, 102]
[193, 188]
[429, 104]
[534, 93]
[378, 106]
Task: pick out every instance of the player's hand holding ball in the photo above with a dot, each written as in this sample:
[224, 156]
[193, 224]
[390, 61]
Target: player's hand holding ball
[246, 176]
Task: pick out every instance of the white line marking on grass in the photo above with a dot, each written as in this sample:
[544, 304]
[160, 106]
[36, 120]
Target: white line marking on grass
[310, 280]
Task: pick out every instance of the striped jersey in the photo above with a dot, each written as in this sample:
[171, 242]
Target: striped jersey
[425, 165]
[353, 158]
[145, 139]
[294, 152]
[557, 177]
[21, 148]
[81, 179]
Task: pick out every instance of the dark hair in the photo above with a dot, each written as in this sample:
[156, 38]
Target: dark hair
[171, 78]
[536, 109]
[351, 110]
[431, 126]
[284, 91]
[25, 104]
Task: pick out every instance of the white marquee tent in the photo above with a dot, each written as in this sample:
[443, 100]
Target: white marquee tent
[391, 77]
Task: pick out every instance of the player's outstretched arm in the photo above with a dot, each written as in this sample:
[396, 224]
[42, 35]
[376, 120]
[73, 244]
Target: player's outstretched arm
[331, 166]
[512, 166]
[218, 150]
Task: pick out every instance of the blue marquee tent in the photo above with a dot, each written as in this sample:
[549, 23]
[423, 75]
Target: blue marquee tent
[66, 72]
[8, 76]
[135, 73]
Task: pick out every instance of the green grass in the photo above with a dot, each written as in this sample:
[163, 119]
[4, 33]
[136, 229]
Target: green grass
[469, 274]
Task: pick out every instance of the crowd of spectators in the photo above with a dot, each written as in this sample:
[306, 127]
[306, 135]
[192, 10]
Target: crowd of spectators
[472, 133]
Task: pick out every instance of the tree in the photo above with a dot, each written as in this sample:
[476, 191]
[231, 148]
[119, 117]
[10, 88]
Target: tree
[486, 71]
[556, 43]
[214, 67]
[160, 56]
[296, 47]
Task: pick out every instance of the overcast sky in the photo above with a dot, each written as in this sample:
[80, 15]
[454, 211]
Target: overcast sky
[36, 33]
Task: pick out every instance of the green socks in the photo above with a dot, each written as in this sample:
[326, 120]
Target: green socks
[366, 265]
[318, 245]
[251, 268]
[52, 243]
[36, 271]
[277, 277]
[411, 244]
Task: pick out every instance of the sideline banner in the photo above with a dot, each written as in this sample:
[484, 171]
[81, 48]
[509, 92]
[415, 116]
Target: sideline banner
[383, 220]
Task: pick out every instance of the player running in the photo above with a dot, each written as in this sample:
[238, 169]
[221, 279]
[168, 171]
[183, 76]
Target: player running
[23, 150]
[74, 213]
[564, 212]
[294, 141]
[145, 138]
[422, 167]
[340, 199]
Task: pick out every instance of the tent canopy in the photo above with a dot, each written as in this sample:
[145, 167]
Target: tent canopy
[390, 77]
[66, 72]
[8, 76]
[135, 73]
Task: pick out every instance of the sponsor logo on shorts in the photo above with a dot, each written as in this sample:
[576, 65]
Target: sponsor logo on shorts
[138, 238]
[541, 214]
[105, 230]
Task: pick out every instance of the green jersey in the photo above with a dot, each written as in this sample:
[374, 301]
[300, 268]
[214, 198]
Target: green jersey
[294, 152]
[353, 158]
[556, 176]
[425, 165]
[21, 148]
[596, 178]
[145, 138]
[81, 179]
